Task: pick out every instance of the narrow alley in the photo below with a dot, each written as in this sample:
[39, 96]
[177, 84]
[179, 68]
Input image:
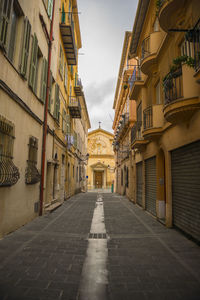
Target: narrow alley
[103, 241]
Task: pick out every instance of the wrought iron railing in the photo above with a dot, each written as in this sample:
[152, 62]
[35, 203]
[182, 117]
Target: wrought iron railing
[136, 132]
[196, 45]
[173, 86]
[136, 76]
[32, 175]
[9, 173]
[74, 102]
[148, 117]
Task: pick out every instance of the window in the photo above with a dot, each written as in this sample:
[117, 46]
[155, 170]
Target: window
[50, 8]
[43, 87]
[9, 173]
[10, 29]
[66, 77]
[68, 125]
[5, 19]
[158, 98]
[51, 84]
[61, 62]
[56, 113]
[76, 174]
[25, 47]
[33, 63]
[75, 139]
[156, 25]
[32, 175]
[64, 121]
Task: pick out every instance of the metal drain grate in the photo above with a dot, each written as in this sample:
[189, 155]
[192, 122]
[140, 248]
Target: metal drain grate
[97, 236]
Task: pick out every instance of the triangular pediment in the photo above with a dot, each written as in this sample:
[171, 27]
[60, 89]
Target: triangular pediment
[98, 165]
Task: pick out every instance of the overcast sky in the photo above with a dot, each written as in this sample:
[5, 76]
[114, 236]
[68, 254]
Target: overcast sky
[103, 24]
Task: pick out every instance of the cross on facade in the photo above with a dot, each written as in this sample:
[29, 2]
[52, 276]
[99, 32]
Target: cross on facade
[99, 124]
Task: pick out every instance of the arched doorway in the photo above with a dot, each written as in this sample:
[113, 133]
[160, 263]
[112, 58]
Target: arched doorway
[161, 185]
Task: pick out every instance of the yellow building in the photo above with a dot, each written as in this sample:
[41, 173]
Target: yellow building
[165, 140]
[101, 163]
[123, 121]
[25, 40]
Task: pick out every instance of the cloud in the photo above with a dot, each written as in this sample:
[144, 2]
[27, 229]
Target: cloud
[99, 98]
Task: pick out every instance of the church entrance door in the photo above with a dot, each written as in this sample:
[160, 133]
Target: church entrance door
[98, 178]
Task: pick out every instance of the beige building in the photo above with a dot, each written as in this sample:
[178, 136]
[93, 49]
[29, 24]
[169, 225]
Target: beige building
[165, 138]
[101, 163]
[25, 93]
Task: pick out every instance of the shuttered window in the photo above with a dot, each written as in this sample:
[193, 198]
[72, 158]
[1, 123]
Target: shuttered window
[43, 80]
[68, 125]
[25, 47]
[66, 77]
[75, 139]
[61, 62]
[50, 91]
[64, 127]
[5, 18]
[57, 103]
[33, 64]
[50, 8]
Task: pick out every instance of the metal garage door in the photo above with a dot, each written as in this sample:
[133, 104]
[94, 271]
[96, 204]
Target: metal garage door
[139, 183]
[186, 188]
[150, 185]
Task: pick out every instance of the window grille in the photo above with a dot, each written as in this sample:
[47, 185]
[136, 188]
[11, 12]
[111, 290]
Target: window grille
[32, 175]
[9, 173]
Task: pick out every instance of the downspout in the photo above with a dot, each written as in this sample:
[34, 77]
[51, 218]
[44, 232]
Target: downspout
[45, 116]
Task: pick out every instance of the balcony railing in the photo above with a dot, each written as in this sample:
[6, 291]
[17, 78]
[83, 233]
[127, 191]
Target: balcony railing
[136, 132]
[74, 107]
[145, 47]
[173, 86]
[67, 29]
[136, 76]
[148, 117]
[78, 86]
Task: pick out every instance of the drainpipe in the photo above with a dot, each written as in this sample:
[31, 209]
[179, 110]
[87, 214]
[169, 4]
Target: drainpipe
[45, 116]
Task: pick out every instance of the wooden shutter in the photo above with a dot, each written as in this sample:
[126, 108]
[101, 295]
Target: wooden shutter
[75, 139]
[50, 8]
[25, 47]
[43, 81]
[68, 129]
[56, 103]
[5, 17]
[50, 91]
[33, 65]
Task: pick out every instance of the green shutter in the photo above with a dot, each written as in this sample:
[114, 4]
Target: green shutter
[5, 17]
[25, 47]
[64, 121]
[33, 65]
[68, 125]
[75, 139]
[50, 91]
[50, 8]
[63, 14]
[56, 103]
[43, 81]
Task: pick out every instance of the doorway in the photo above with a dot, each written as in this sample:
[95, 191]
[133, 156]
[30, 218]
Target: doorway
[98, 179]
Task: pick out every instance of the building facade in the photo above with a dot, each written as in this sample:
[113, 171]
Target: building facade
[164, 85]
[35, 79]
[101, 163]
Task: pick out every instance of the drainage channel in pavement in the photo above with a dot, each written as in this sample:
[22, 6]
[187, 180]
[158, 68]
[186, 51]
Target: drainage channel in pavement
[94, 277]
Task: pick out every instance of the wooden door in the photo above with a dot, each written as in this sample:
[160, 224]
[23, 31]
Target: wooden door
[98, 179]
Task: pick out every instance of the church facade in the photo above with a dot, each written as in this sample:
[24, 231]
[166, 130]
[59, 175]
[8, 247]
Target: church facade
[101, 163]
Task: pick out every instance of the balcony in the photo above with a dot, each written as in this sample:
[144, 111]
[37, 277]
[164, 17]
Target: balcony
[169, 13]
[137, 141]
[78, 87]
[181, 95]
[128, 70]
[136, 80]
[74, 107]
[68, 36]
[150, 50]
[153, 121]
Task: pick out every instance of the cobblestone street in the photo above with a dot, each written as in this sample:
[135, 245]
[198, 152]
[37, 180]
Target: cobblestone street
[45, 258]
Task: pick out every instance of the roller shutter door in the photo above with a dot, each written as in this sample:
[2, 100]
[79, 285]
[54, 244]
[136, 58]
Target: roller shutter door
[185, 163]
[150, 185]
[139, 183]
